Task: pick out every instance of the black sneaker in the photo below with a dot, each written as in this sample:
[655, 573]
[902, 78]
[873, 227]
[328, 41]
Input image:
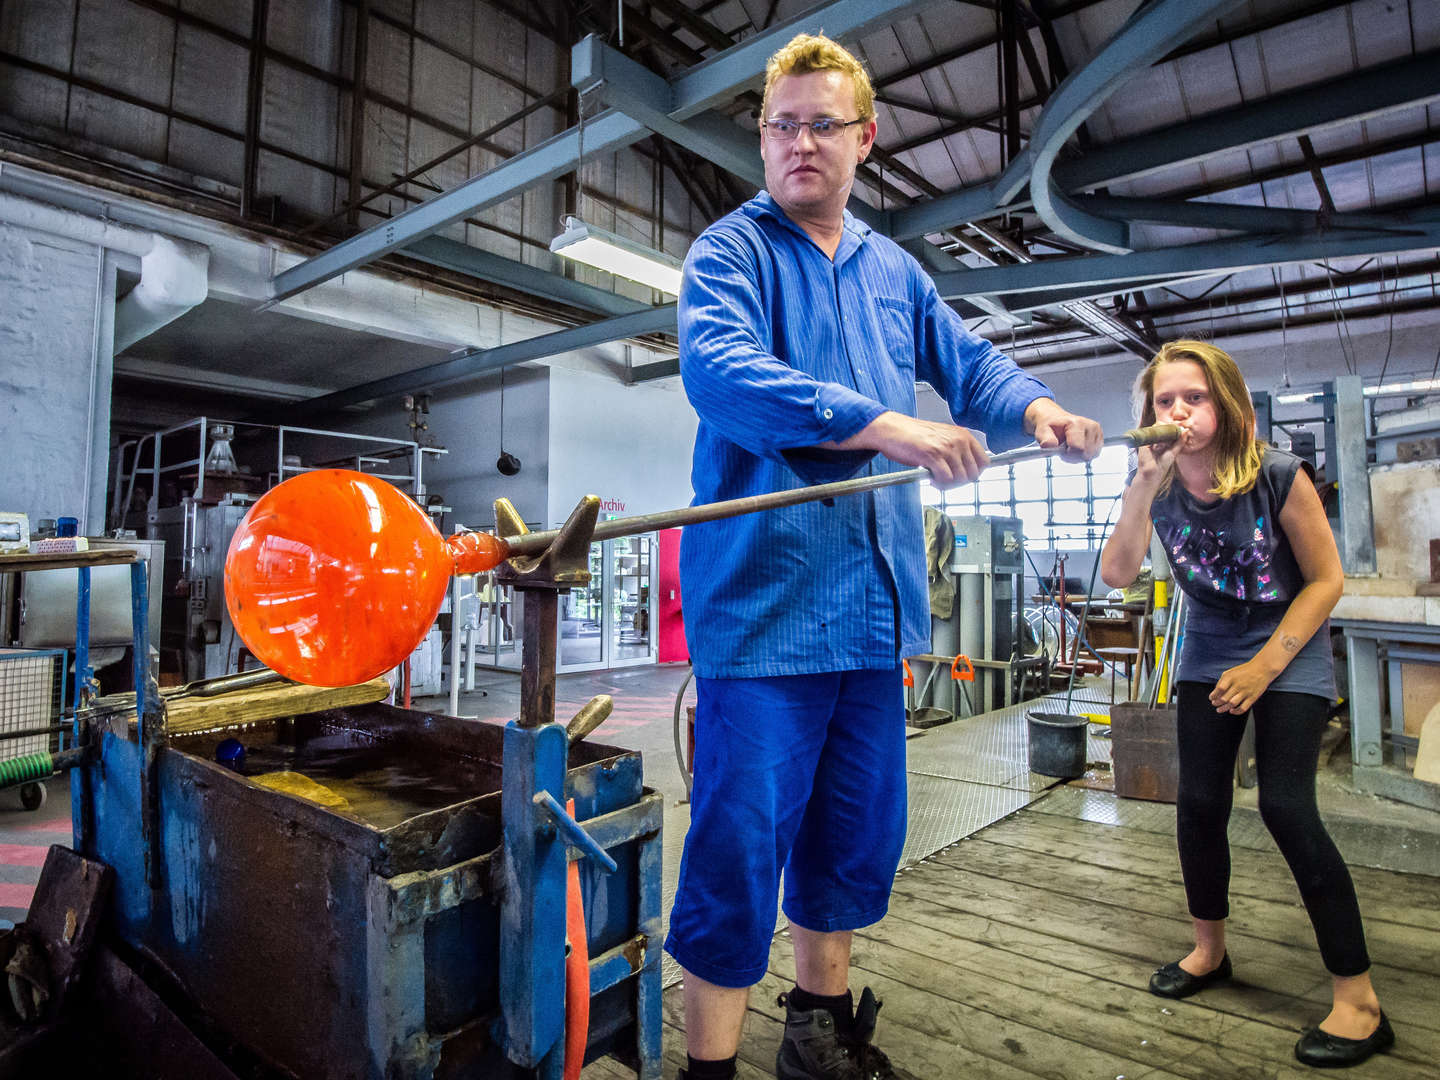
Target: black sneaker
[811, 1047]
[871, 1060]
[815, 1048]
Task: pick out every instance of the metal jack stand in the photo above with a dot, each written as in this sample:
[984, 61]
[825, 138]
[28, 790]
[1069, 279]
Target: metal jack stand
[538, 832]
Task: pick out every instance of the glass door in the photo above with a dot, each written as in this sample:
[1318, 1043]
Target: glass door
[608, 623]
[631, 590]
[582, 619]
[495, 625]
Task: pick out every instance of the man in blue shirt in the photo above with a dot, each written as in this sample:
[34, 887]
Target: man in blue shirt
[802, 334]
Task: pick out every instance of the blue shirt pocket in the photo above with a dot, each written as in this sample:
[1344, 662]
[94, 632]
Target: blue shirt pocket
[896, 316]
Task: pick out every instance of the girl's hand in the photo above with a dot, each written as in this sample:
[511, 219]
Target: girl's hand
[1155, 460]
[1240, 687]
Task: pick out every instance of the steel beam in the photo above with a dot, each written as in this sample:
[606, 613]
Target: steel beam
[1377, 90]
[1152, 32]
[1419, 232]
[647, 98]
[1021, 303]
[254, 95]
[723, 76]
[970, 204]
[478, 263]
[641, 94]
[1232, 216]
[717, 80]
[1380, 89]
[473, 362]
[1346, 464]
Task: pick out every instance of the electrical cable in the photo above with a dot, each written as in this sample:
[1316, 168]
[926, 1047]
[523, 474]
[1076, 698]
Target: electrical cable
[1390, 331]
[1342, 330]
[675, 732]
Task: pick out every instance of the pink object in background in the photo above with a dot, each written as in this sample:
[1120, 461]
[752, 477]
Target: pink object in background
[670, 621]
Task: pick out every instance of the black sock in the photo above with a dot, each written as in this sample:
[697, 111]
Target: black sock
[710, 1070]
[840, 1006]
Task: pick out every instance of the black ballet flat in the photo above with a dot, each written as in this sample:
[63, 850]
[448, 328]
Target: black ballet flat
[1326, 1051]
[1173, 981]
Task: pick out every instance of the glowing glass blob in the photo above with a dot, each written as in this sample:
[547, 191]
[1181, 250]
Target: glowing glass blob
[335, 577]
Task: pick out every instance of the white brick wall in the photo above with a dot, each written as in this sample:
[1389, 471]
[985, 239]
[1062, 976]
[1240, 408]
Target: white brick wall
[48, 300]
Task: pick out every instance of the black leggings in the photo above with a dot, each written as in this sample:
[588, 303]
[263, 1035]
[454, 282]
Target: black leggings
[1288, 727]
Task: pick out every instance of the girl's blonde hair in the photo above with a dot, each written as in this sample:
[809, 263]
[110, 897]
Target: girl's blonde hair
[805, 53]
[1237, 450]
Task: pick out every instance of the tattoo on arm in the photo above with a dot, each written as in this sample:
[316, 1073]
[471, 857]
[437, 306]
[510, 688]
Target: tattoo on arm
[1290, 643]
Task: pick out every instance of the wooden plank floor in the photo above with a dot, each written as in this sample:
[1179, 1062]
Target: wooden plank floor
[1024, 950]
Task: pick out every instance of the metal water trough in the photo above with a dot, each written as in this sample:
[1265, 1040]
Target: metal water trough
[363, 939]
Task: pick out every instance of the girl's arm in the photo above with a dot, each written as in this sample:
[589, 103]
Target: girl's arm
[1129, 540]
[1303, 519]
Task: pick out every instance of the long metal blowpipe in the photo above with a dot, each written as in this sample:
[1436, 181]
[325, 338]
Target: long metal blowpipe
[536, 542]
[335, 576]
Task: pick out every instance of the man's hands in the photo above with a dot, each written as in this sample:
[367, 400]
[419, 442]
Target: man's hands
[952, 454]
[1079, 437]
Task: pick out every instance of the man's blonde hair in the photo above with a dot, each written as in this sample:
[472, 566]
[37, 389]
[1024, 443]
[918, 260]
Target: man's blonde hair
[806, 53]
[1237, 450]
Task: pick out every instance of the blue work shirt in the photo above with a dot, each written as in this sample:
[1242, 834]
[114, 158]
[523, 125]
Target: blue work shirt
[782, 349]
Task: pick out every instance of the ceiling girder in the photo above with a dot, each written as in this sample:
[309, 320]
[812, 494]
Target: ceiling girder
[472, 362]
[1393, 85]
[1150, 34]
[1366, 93]
[1417, 232]
[1228, 216]
[679, 110]
[714, 82]
[478, 263]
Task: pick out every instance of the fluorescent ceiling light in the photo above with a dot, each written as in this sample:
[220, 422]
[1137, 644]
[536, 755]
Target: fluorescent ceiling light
[606, 251]
[1415, 386]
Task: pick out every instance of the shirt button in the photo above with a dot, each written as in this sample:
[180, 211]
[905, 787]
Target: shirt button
[829, 414]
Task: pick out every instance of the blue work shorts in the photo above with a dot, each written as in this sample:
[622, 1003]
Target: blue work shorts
[800, 773]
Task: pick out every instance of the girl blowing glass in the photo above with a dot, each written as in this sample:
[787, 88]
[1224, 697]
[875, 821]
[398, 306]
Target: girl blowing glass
[1248, 541]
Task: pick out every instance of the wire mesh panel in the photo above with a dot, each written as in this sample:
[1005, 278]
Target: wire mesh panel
[31, 695]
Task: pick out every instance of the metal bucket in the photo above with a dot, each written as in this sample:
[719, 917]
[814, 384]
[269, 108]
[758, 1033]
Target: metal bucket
[929, 716]
[1057, 744]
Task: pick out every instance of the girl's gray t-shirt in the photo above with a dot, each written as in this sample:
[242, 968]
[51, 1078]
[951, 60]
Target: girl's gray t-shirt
[1236, 566]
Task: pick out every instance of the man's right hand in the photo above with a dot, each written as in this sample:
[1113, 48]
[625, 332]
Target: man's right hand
[952, 454]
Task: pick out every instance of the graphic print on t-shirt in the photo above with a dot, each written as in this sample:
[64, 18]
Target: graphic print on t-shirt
[1228, 564]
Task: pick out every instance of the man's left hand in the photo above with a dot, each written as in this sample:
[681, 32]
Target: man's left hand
[1078, 437]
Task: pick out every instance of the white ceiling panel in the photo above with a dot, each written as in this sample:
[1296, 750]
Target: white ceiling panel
[211, 78]
[126, 47]
[236, 16]
[441, 87]
[308, 30]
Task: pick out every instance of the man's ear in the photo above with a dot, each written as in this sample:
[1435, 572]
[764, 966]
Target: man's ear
[867, 138]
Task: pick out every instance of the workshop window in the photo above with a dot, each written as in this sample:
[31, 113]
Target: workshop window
[1060, 505]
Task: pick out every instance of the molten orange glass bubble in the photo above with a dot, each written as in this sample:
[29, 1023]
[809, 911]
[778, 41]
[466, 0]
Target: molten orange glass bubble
[335, 577]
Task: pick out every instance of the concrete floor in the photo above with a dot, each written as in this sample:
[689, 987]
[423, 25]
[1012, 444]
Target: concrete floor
[970, 779]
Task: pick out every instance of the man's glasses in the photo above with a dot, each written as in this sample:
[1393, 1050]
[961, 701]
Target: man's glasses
[823, 127]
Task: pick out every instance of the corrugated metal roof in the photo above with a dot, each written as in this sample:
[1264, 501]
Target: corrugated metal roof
[170, 84]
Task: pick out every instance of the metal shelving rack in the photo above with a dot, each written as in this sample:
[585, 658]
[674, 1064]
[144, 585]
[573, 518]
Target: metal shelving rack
[30, 771]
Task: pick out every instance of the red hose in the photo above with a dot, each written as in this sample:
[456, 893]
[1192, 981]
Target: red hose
[577, 972]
